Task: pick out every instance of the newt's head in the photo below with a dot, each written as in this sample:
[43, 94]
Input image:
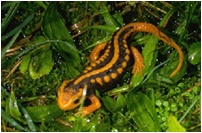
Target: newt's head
[68, 98]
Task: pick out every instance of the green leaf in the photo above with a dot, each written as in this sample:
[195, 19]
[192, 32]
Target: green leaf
[44, 113]
[25, 63]
[39, 61]
[142, 112]
[114, 105]
[71, 71]
[149, 54]
[12, 107]
[54, 28]
[194, 53]
[41, 64]
[174, 125]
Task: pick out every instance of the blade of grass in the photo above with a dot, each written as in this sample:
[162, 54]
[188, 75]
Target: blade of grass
[6, 5]
[105, 28]
[10, 120]
[96, 43]
[116, 91]
[27, 20]
[152, 71]
[153, 7]
[192, 105]
[166, 18]
[107, 16]
[42, 4]
[43, 43]
[3, 52]
[28, 118]
[9, 15]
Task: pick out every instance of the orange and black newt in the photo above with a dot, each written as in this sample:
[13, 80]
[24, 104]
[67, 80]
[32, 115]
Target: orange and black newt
[108, 63]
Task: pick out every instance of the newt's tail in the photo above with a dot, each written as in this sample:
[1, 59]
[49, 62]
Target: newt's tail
[147, 27]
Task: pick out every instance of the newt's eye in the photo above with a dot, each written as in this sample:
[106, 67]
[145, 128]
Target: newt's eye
[76, 101]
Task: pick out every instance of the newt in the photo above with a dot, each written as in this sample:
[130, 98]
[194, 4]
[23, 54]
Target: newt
[109, 61]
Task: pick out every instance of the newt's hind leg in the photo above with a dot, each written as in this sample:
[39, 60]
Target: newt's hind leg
[139, 61]
[96, 51]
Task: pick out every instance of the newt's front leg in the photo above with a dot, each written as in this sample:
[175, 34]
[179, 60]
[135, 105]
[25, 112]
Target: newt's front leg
[95, 104]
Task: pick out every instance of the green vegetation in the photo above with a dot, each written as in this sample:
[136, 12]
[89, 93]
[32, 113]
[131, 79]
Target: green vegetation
[44, 43]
